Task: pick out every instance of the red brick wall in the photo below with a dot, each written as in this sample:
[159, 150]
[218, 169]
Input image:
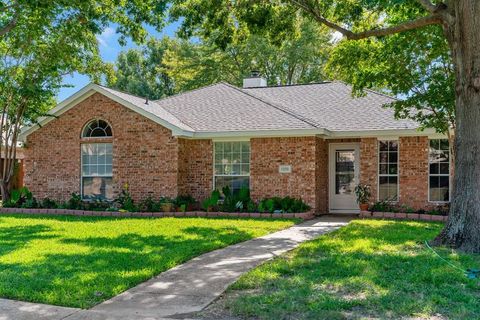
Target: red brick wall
[144, 153]
[369, 164]
[195, 168]
[321, 194]
[266, 156]
[413, 171]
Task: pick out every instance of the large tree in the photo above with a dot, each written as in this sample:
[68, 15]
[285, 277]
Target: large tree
[43, 40]
[459, 21]
[176, 65]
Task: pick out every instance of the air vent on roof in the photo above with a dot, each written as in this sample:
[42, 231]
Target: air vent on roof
[255, 80]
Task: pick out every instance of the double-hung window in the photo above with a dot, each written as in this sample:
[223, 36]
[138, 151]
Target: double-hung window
[388, 170]
[439, 171]
[232, 165]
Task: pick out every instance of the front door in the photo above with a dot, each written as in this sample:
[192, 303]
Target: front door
[343, 177]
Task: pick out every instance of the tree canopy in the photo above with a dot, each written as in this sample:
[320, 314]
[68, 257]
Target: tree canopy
[176, 65]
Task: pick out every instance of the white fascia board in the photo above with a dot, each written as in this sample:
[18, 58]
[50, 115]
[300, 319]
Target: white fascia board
[239, 135]
[86, 92]
[176, 131]
[388, 133]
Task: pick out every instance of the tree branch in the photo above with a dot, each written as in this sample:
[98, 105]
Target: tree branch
[408, 25]
[9, 26]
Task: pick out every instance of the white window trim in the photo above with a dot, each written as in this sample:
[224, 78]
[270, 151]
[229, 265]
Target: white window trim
[90, 176]
[387, 175]
[227, 175]
[440, 175]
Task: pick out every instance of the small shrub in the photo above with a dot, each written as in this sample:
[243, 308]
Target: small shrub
[211, 202]
[75, 202]
[238, 201]
[21, 198]
[125, 200]
[185, 200]
[48, 203]
[149, 205]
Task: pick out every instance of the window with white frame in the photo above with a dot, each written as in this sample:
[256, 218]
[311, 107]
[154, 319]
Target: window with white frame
[232, 165]
[439, 170]
[97, 182]
[388, 170]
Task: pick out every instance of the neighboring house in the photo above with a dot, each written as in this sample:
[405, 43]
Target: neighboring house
[313, 141]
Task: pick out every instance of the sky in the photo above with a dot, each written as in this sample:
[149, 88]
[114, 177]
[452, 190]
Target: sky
[109, 50]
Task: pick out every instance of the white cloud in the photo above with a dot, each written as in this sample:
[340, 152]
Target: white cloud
[105, 36]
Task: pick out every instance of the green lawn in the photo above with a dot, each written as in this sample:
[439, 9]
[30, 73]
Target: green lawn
[369, 269]
[81, 261]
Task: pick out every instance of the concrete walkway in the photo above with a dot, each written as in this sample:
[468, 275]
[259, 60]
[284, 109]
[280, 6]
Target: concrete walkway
[188, 288]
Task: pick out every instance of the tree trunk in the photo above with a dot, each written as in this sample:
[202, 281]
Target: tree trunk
[462, 230]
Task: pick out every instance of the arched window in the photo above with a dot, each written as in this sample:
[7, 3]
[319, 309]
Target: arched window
[97, 162]
[97, 129]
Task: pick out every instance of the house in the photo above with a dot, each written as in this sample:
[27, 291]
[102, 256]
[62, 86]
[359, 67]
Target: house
[312, 141]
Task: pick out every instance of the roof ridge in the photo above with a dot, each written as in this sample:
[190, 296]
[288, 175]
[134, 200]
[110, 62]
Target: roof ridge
[290, 85]
[278, 107]
[188, 91]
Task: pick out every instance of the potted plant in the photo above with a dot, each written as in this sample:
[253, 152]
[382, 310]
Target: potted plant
[363, 193]
[166, 205]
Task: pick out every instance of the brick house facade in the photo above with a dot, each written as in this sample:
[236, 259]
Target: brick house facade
[154, 159]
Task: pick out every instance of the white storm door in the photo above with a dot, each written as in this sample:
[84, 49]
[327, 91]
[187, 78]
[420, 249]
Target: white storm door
[343, 177]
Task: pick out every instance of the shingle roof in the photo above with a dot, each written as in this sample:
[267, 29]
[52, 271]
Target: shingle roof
[150, 107]
[333, 107]
[222, 107]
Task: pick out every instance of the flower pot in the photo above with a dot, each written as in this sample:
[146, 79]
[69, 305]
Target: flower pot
[363, 206]
[167, 207]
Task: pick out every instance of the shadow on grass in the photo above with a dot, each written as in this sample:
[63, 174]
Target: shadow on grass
[106, 266]
[367, 269]
[15, 237]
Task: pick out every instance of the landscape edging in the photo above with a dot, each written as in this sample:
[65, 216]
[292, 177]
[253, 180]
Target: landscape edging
[402, 216]
[303, 216]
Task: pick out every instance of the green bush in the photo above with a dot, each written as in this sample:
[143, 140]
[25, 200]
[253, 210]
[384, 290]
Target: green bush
[48, 203]
[125, 200]
[185, 200]
[238, 201]
[21, 198]
[283, 205]
[211, 202]
[149, 205]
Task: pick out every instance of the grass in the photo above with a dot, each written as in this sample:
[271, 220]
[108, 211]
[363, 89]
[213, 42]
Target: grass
[369, 269]
[81, 261]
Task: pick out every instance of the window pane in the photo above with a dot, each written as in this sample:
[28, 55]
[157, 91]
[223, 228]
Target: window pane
[227, 147]
[236, 147]
[434, 168]
[245, 157]
[245, 169]
[383, 168]
[393, 145]
[444, 145]
[219, 147]
[383, 188]
[383, 157]
[108, 170]
[219, 169]
[383, 145]
[444, 168]
[97, 188]
[236, 169]
[235, 183]
[392, 169]
[246, 147]
[434, 182]
[393, 157]
[236, 157]
[344, 183]
[435, 144]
